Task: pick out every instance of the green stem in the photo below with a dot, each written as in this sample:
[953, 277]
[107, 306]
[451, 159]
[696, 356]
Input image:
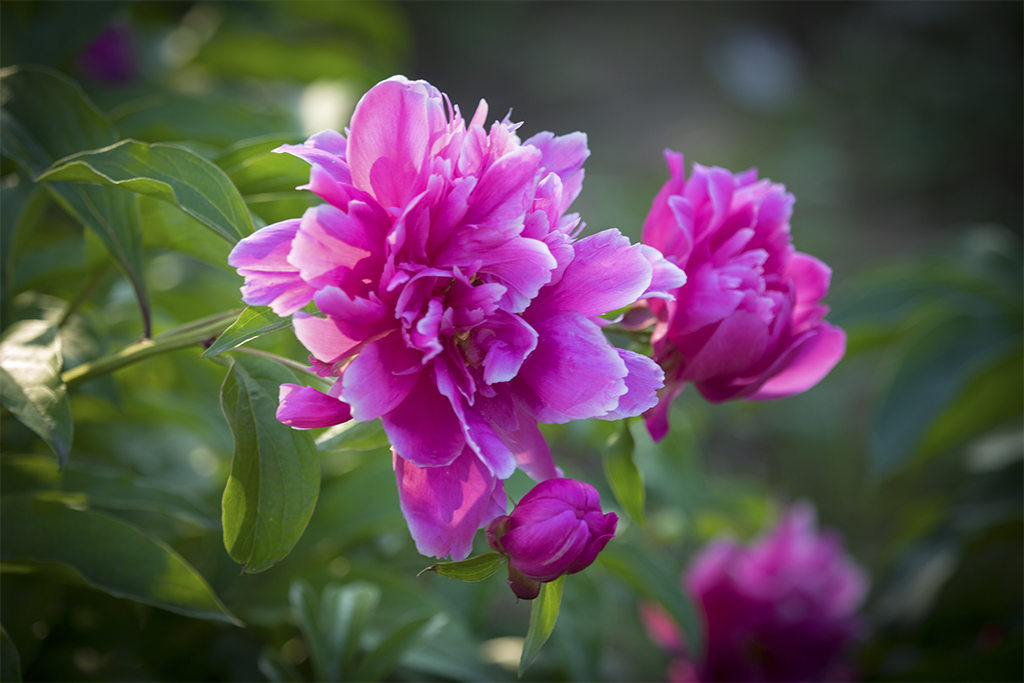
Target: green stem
[190, 334]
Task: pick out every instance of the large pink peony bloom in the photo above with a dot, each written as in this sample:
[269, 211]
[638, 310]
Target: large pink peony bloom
[782, 609]
[748, 321]
[457, 305]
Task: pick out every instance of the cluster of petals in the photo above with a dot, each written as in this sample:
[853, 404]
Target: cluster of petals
[456, 303]
[557, 528]
[782, 609]
[748, 322]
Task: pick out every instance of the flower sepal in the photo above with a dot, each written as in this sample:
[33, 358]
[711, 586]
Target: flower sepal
[471, 569]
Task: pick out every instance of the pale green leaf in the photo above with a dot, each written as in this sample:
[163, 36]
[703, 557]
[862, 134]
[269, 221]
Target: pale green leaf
[253, 322]
[111, 555]
[622, 474]
[167, 172]
[31, 386]
[543, 615]
[275, 471]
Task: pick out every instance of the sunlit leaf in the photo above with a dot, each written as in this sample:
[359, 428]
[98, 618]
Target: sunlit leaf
[46, 117]
[353, 436]
[111, 555]
[167, 172]
[10, 662]
[102, 487]
[472, 569]
[31, 386]
[275, 471]
[253, 322]
[622, 474]
[543, 615]
[383, 658]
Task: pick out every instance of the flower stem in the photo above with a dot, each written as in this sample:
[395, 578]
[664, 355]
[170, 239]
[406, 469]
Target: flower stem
[189, 334]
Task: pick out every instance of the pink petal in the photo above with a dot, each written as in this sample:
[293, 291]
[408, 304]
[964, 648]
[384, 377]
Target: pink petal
[507, 340]
[644, 380]
[810, 279]
[380, 378]
[666, 277]
[332, 247]
[358, 318]
[736, 345]
[444, 506]
[505, 191]
[809, 362]
[423, 428]
[657, 417]
[660, 227]
[322, 338]
[573, 374]
[391, 132]
[306, 408]
[262, 259]
[607, 273]
[563, 155]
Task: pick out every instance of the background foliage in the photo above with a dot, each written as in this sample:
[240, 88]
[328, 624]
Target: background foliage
[897, 126]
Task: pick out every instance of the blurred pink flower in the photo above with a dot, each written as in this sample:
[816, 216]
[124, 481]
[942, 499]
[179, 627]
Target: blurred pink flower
[782, 609]
[558, 528]
[111, 57]
[458, 306]
[748, 321]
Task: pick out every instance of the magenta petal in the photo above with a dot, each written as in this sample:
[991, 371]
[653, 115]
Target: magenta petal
[573, 374]
[332, 247]
[737, 343]
[371, 385]
[508, 340]
[505, 190]
[811, 279]
[423, 428]
[657, 417]
[814, 359]
[665, 275]
[390, 136]
[444, 506]
[563, 155]
[544, 550]
[644, 380]
[306, 408]
[597, 544]
[262, 259]
[607, 273]
[531, 451]
[322, 337]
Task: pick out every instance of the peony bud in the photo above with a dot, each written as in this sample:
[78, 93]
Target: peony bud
[558, 528]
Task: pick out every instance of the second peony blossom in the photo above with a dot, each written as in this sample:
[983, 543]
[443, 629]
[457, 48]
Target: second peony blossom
[558, 528]
[457, 304]
[748, 323]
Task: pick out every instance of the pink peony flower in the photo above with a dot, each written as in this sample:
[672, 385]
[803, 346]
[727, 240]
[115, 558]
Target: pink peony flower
[782, 609]
[457, 304]
[558, 528]
[748, 321]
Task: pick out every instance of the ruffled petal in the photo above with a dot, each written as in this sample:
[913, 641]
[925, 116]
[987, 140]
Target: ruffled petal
[306, 408]
[262, 259]
[380, 378]
[644, 380]
[808, 363]
[322, 338]
[424, 428]
[810, 279]
[563, 155]
[444, 506]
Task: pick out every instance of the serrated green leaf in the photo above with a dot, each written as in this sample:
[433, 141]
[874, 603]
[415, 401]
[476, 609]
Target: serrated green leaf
[472, 569]
[383, 658]
[622, 474]
[101, 487]
[46, 117]
[31, 386]
[275, 471]
[10, 661]
[253, 322]
[109, 554]
[353, 436]
[543, 615]
[169, 173]
[653, 580]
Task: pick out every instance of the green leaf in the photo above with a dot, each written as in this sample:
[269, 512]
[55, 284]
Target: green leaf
[543, 615]
[109, 554]
[473, 569]
[10, 662]
[46, 117]
[253, 322]
[276, 668]
[937, 366]
[403, 638]
[31, 386]
[303, 603]
[353, 436]
[101, 487]
[345, 612]
[275, 471]
[255, 168]
[622, 474]
[167, 172]
[656, 581]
